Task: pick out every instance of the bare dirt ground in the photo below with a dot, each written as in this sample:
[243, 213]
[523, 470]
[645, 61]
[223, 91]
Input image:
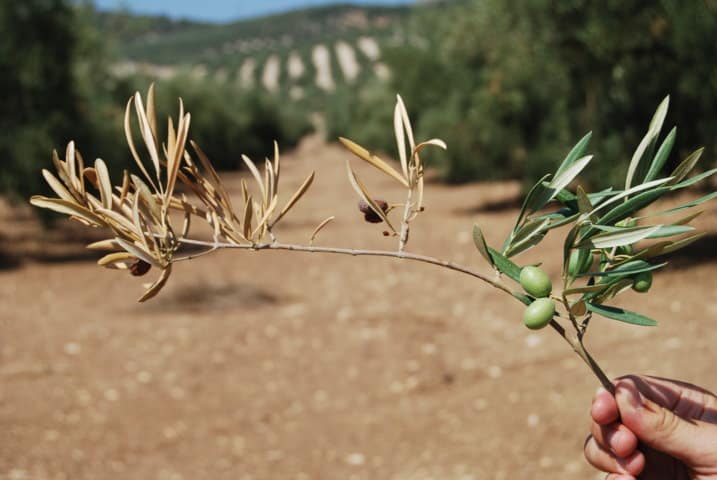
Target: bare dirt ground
[272, 365]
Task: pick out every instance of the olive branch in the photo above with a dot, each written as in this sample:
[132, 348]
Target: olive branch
[608, 249]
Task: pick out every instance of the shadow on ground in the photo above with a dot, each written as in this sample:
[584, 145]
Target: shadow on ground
[219, 297]
[8, 261]
[492, 206]
[699, 252]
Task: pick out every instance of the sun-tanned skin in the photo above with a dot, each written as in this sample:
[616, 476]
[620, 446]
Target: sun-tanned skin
[654, 429]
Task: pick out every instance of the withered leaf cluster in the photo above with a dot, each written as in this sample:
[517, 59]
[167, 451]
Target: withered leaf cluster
[137, 211]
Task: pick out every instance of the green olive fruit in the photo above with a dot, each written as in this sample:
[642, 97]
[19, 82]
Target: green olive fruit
[580, 262]
[535, 281]
[643, 282]
[539, 313]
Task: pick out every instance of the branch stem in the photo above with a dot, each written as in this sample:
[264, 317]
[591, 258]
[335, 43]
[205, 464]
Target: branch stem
[408, 209]
[573, 340]
[577, 345]
[355, 253]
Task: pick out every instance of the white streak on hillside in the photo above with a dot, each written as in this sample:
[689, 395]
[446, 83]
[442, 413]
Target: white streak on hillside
[246, 73]
[126, 69]
[322, 62]
[295, 66]
[382, 71]
[347, 61]
[270, 75]
[369, 47]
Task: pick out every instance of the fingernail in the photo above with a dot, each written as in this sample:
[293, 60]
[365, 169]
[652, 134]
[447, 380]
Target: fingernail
[629, 394]
[631, 464]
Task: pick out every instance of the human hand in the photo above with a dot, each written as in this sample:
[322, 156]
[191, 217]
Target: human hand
[654, 429]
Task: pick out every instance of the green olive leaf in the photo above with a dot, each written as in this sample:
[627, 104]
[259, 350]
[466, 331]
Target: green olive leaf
[584, 204]
[527, 300]
[568, 245]
[624, 236]
[481, 244]
[504, 265]
[671, 231]
[526, 236]
[621, 315]
[637, 169]
[674, 246]
[693, 203]
[570, 200]
[692, 180]
[531, 203]
[598, 287]
[686, 166]
[661, 156]
[631, 206]
[626, 270]
[626, 193]
[559, 182]
[575, 153]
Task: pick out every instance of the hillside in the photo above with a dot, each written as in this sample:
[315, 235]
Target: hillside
[298, 53]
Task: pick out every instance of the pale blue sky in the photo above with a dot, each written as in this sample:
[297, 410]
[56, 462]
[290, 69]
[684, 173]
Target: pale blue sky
[225, 10]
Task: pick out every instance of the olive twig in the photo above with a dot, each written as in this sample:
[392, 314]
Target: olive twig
[575, 341]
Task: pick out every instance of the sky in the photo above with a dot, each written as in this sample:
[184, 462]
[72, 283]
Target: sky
[224, 10]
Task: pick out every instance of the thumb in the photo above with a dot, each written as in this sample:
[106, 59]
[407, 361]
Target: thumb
[660, 428]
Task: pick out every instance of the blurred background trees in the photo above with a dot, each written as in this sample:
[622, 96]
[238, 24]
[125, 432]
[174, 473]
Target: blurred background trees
[510, 85]
[58, 85]
[52, 83]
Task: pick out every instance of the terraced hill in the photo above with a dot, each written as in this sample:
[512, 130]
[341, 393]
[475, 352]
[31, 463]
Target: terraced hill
[297, 54]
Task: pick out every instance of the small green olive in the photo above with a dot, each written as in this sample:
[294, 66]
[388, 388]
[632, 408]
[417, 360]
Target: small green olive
[580, 262]
[535, 281]
[643, 282]
[539, 313]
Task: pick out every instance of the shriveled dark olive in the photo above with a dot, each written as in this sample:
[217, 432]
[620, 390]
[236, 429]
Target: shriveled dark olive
[139, 268]
[368, 214]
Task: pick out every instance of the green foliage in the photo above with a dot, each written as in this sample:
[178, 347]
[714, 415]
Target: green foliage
[606, 225]
[52, 67]
[509, 84]
[58, 88]
[162, 41]
[370, 102]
